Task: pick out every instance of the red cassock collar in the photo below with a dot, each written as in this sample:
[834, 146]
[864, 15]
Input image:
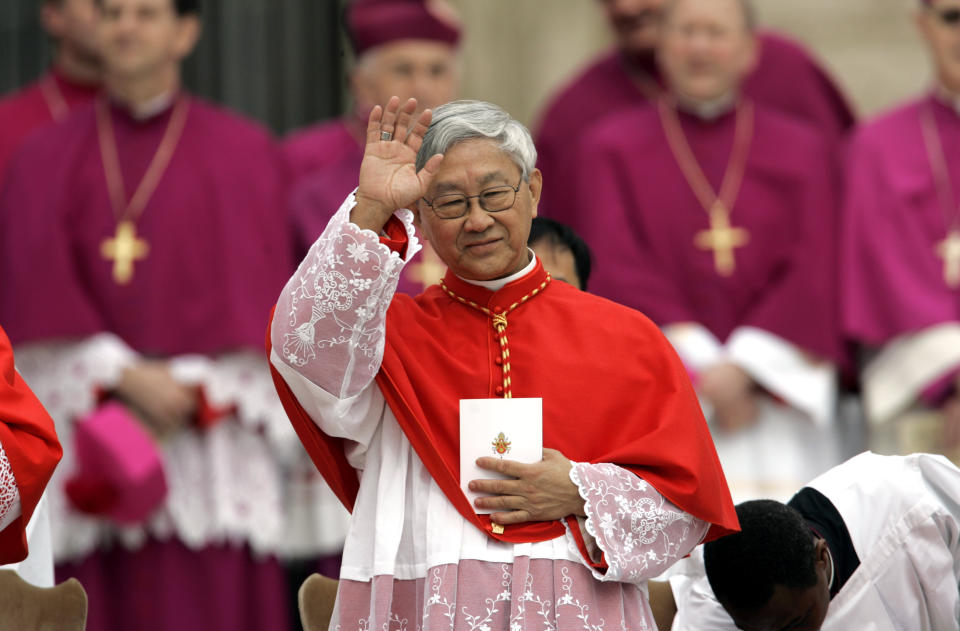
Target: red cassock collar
[613, 390]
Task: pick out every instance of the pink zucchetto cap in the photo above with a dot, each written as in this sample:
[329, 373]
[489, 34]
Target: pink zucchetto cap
[119, 473]
[372, 23]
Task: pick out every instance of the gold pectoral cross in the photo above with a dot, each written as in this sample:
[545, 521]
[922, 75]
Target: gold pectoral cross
[949, 251]
[722, 239]
[124, 249]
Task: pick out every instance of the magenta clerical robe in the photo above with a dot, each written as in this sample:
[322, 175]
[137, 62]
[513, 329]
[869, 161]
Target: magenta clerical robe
[642, 219]
[218, 254]
[786, 79]
[312, 149]
[218, 250]
[893, 278]
[49, 99]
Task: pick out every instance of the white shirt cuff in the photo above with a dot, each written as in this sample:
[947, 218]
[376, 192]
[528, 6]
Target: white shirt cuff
[785, 371]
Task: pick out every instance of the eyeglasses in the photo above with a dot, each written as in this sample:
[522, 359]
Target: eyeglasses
[492, 200]
[950, 17]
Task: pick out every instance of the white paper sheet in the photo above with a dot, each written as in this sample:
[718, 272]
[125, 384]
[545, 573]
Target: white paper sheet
[511, 429]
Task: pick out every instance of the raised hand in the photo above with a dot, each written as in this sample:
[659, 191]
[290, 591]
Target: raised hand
[388, 176]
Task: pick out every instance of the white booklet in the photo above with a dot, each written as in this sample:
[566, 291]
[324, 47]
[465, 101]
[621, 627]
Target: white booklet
[511, 429]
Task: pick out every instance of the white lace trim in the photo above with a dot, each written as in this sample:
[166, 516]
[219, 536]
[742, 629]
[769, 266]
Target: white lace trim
[337, 303]
[226, 484]
[525, 595]
[640, 532]
[9, 494]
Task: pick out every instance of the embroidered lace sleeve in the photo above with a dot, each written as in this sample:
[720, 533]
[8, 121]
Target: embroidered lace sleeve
[329, 322]
[9, 495]
[639, 532]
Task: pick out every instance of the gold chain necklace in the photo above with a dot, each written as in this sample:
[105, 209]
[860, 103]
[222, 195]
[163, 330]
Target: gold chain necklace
[498, 319]
[722, 238]
[125, 247]
[949, 248]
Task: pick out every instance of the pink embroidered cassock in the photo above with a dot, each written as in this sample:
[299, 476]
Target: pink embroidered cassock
[48, 100]
[786, 79]
[413, 558]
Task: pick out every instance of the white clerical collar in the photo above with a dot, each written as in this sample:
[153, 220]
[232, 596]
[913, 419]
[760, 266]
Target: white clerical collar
[152, 106]
[499, 283]
[708, 110]
[948, 98]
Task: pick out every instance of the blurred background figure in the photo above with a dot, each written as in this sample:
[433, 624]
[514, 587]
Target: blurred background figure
[400, 47]
[407, 48]
[901, 255]
[72, 80]
[702, 222]
[783, 77]
[561, 250]
[142, 244]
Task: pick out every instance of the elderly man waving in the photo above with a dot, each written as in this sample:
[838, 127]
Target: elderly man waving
[383, 390]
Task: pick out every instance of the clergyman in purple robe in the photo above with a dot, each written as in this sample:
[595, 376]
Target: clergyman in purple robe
[143, 242]
[700, 219]
[901, 256]
[72, 80]
[785, 77]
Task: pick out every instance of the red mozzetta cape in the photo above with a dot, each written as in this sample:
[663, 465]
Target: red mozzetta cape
[30, 442]
[613, 390]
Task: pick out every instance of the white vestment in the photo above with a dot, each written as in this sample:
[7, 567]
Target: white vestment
[244, 480]
[410, 559]
[903, 516]
[895, 380]
[795, 436]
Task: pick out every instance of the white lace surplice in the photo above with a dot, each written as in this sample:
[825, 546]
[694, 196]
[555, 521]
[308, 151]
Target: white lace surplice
[245, 480]
[9, 495]
[411, 561]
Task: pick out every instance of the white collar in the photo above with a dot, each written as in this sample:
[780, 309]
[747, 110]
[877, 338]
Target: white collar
[152, 106]
[708, 110]
[499, 283]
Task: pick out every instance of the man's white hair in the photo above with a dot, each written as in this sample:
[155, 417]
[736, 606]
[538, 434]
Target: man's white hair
[465, 120]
